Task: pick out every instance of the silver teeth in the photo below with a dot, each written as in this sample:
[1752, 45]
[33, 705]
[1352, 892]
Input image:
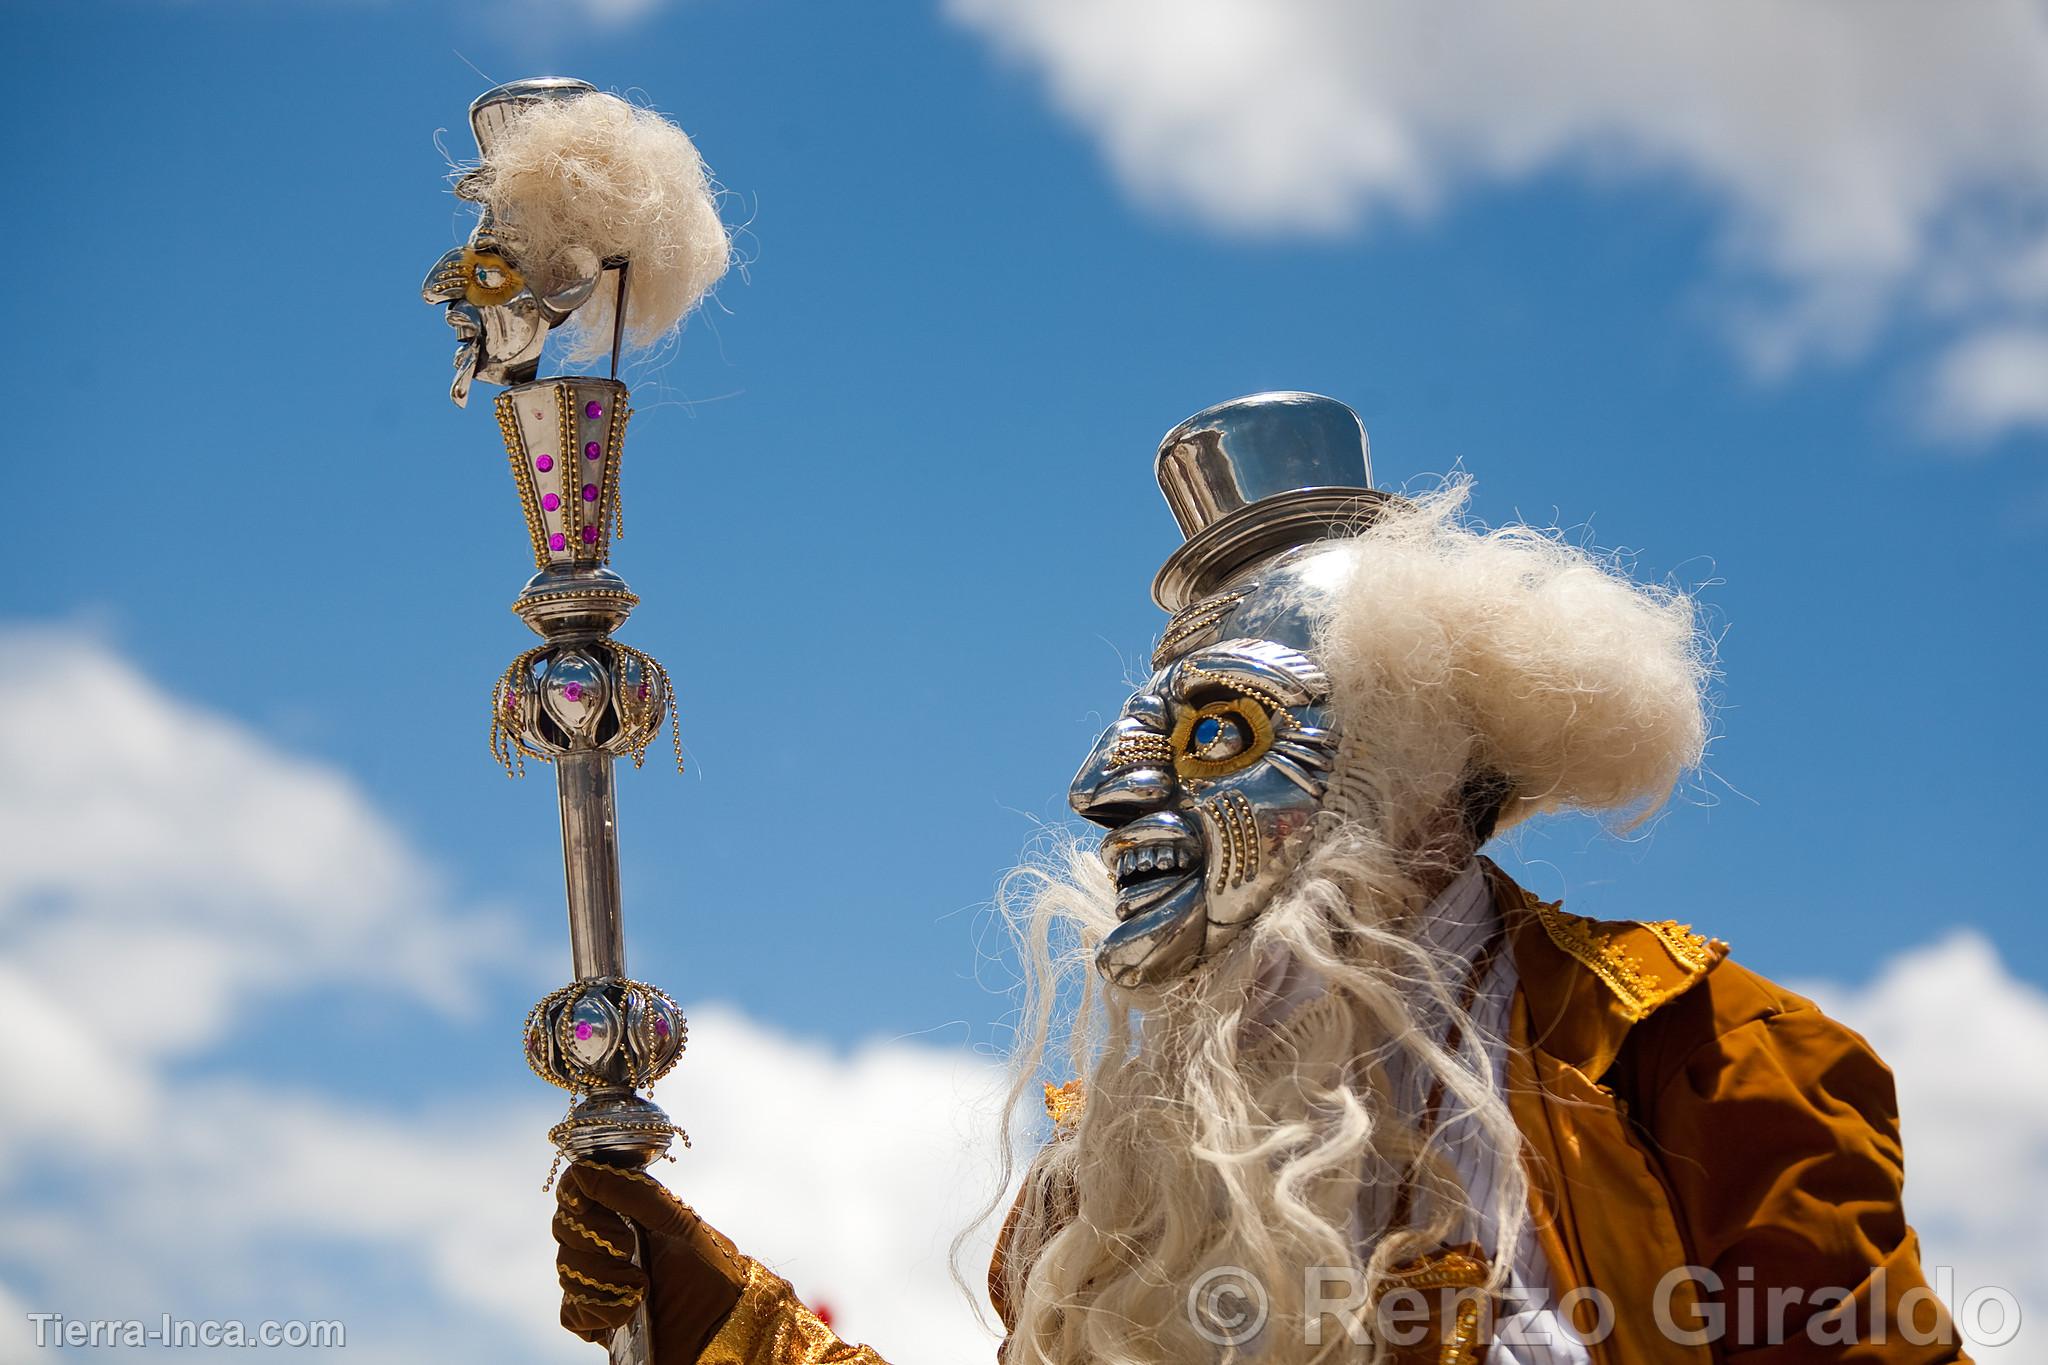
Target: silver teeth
[1159, 858]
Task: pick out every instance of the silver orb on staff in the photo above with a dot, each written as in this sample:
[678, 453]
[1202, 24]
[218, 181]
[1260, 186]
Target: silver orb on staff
[596, 217]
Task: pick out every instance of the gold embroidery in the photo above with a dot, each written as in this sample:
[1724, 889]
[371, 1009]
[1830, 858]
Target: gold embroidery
[1462, 1274]
[771, 1326]
[1461, 1347]
[1604, 954]
[1064, 1103]
[1449, 1269]
[1694, 952]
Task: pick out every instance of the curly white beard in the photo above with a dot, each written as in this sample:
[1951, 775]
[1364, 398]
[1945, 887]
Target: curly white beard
[1221, 1131]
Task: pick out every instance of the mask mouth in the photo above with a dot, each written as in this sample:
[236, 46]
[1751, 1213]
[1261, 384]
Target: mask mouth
[1151, 859]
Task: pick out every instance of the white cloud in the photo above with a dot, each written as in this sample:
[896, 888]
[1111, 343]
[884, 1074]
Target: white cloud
[1870, 158]
[171, 877]
[1993, 380]
[1967, 1042]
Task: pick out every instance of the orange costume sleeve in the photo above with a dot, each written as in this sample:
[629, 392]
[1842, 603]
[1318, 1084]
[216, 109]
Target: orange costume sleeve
[1777, 1132]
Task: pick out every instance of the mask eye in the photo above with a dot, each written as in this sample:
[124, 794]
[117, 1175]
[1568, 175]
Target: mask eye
[492, 280]
[1221, 738]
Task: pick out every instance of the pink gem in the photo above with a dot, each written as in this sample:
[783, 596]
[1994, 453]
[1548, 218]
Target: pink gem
[643, 691]
[590, 535]
[558, 541]
[573, 691]
[593, 409]
[544, 463]
[550, 501]
[512, 701]
[591, 450]
[590, 492]
[661, 1027]
[583, 1033]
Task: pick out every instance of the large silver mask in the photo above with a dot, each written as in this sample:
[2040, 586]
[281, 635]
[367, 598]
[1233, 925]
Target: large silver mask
[1214, 773]
[501, 321]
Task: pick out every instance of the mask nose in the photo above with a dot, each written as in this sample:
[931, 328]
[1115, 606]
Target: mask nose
[1129, 772]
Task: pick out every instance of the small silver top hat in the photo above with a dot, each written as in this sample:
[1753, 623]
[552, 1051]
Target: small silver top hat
[1255, 476]
[492, 110]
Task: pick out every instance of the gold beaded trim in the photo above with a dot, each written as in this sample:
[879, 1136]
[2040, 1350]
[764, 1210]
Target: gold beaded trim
[1141, 748]
[640, 718]
[615, 444]
[1252, 690]
[581, 1080]
[645, 712]
[522, 475]
[559, 1135]
[1192, 620]
[507, 748]
[572, 497]
[1237, 838]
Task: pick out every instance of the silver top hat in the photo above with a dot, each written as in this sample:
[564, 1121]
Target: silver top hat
[1256, 476]
[492, 110]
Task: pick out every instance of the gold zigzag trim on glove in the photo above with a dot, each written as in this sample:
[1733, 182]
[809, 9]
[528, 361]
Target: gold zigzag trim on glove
[585, 1232]
[627, 1290]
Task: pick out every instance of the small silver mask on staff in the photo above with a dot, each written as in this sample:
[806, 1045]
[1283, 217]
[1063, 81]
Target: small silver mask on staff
[499, 319]
[1216, 771]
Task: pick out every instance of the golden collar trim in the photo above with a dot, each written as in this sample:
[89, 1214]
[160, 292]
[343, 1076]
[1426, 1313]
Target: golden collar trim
[1609, 949]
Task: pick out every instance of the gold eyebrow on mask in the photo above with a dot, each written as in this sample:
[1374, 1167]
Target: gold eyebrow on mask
[1271, 674]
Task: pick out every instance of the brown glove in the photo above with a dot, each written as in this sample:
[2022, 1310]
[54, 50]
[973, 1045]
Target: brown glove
[690, 1277]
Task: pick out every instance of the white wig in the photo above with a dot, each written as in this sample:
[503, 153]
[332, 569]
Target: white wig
[1217, 1135]
[578, 181]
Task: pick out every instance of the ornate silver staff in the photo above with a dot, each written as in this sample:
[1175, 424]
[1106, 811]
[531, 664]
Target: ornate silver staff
[599, 215]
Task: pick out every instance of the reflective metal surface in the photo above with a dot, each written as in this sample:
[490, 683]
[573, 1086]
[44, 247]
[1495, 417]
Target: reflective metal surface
[500, 322]
[1254, 476]
[580, 699]
[1212, 774]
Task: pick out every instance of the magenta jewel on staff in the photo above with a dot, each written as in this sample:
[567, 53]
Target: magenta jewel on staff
[544, 463]
[593, 409]
[582, 1033]
[591, 450]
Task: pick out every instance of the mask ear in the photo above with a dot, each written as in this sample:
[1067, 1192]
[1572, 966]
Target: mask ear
[586, 270]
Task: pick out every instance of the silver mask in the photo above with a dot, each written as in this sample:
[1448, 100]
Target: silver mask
[500, 323]
[1214, 774]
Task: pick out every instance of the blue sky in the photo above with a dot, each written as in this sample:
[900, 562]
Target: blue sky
[889, 502]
